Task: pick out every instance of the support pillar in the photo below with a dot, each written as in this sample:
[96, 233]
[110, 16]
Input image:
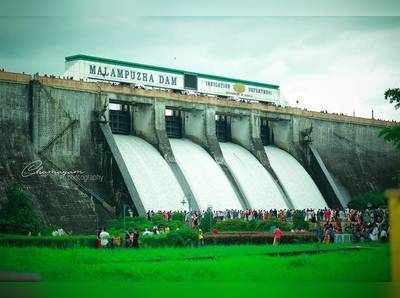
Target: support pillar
[164, 146]
[34, 97]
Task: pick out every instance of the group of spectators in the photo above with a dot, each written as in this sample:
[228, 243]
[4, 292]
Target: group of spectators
[366, 225]
[104, 239]
[282, 214]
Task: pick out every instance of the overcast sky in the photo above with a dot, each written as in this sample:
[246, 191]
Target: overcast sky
[339, 64]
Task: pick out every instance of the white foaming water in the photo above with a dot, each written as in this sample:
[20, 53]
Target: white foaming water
[153, 178]
[298, 184]
[256, 183]
[207, 181]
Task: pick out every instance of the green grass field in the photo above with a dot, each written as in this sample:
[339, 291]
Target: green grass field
[245, 263]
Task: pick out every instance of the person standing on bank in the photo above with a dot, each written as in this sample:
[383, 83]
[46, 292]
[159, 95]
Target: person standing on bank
[104, 237]
[135, 239]
[277, 236]
[201, 237]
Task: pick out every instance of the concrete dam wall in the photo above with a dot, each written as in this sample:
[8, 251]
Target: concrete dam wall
[173, 151]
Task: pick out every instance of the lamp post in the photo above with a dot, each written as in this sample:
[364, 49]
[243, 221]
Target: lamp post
[186, 219]
[209, 209]
[183, 202]
[123, 206]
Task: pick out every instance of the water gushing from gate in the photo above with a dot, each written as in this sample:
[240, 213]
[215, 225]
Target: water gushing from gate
[153, 178]
[256, 183]
[207, 181]
[297, 182]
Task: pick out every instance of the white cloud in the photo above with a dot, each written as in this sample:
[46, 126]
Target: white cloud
[338, 64]
[348, 74]
[339, 70]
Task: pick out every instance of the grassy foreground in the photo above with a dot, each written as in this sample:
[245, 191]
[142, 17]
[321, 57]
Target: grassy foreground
[207, 264]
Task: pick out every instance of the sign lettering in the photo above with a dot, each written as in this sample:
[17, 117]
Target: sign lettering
[109, 72]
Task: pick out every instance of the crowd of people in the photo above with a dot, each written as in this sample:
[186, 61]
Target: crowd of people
[367, 225]
[104, 239]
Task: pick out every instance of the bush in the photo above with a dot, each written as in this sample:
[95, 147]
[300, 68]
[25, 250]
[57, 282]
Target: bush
[207, 222]
[181, 237]
[368, 200]
[233, 225]
[257, 238]
[271, 224]
[17, 215]
[298, 221]
[178, 216]
[48, 241]
[131, 223]
[141, 223]
[157, 218]
[252, 225]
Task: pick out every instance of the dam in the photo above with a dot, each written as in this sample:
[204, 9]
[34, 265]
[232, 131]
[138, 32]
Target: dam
[161, 150]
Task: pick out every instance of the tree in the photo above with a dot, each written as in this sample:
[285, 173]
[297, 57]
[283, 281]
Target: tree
[17, 215]
[392, 133]
[207, 222]
[368, 200]
[393, 95]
